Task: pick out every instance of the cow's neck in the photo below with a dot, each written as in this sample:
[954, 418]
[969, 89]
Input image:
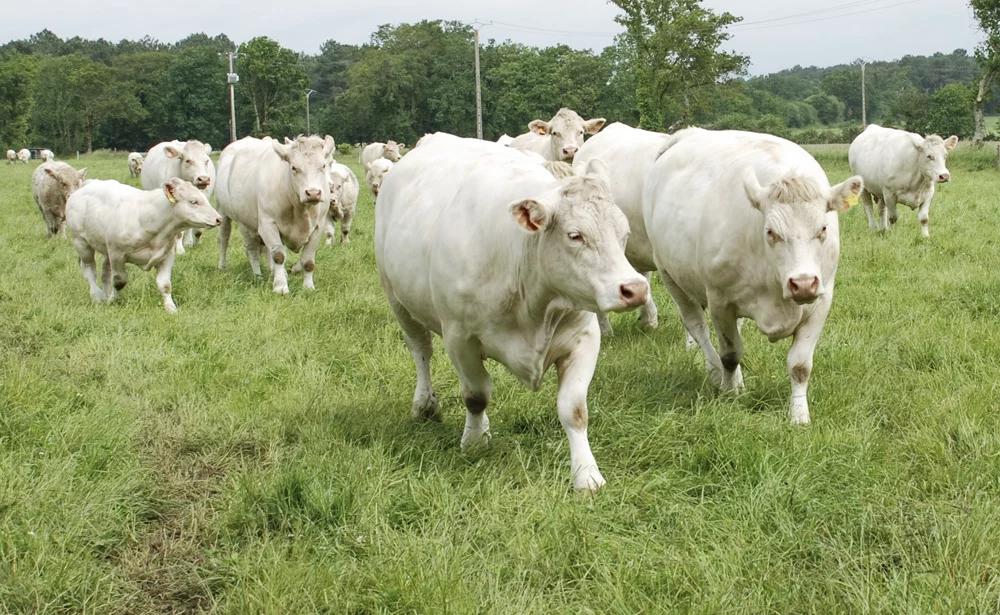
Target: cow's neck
[158, 214]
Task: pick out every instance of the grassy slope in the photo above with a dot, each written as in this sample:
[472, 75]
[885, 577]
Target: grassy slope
[253, 453]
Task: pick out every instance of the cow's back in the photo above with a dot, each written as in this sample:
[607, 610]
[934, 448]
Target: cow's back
[249, 173]
[371, 153]
[157, 167]
[885, 158]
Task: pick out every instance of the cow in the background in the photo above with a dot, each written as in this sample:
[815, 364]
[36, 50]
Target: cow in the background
[745, 224]
[899, 167]
[47, 155]
[344, 189]
[51, 185]
[135, 164]
[11, 156]
[560, 137]
[375, 151]
[376, 174]
[24, 155]
[187, 160]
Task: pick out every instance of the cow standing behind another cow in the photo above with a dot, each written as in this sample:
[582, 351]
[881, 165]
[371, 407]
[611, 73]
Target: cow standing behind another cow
[376, 173]
[11, 156]
[52, 183]
[376, 151]
[344, 189]
[24, 155]
[135, 164]
[899, 167]
[559, 138]
[187, 160]
[745, 224]
[47, 155]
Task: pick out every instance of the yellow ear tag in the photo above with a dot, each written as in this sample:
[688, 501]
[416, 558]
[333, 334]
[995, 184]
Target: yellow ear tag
[852, 200]
[173, 200]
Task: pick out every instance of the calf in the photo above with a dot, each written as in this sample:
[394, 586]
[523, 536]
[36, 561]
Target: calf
[187, 160]
[899, 167]
[375, 151]
[560, 137]
[135, 164]
[344, 189]
[280, 195]
[376, 175]
[128, 225]
[483, 246]
[52, 183]
[11, 156]
[745, 225]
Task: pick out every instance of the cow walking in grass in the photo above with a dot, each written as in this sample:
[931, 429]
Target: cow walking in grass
[483, 246]
[52, 183]
[344, 189]
[376, 151]
[745, 225]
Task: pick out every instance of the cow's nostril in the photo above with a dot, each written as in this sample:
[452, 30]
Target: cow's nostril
[626, 293]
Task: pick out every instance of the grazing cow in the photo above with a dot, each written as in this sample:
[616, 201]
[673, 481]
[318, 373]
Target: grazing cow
[629, 153]
[375, 151]
[745, 225]
[128, 225]
[483, 246]
[24, 155]
[11, 156]
[47, 155]
[899, 167]
[376, 174]
[279, 194]
[135, 164]
[560, 137]
[51, 185]
[505, 139]
[344, 189]
[188, 160]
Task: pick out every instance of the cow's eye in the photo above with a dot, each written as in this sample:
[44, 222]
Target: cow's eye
[189, 161]
[576, 237]
[194, 202]
[929, 157]
[295, 169]
[772, 236]
[822, 234]
[556, 134]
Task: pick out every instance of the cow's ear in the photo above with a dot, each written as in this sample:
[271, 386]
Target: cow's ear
[208, 149]
[82, 173]
[402, 146]
[918, 141]
[280, 149]
[49, 172]
[171, 151]
[539, 127]
[844, 196]
[591, 127]
[755, 192]
[530, 215]
[170, 189]
[950, 142]
[596, 167]
[329, 146]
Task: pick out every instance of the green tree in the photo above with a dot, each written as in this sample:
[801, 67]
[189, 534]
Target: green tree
[950, 112]
[909, 110]
[198, 105]
[828, 108]
[273, 82]
[101, 97]
[987, 14]
[676, 46]
[18, 75]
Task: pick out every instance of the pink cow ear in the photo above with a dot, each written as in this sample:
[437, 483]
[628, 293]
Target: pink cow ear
[592, 127]
[539, 127]
[951, 142]
[530, 215]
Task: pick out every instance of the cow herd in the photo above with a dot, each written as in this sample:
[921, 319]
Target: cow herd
[517, 250]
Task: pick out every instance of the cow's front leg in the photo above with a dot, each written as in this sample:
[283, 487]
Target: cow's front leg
[800, 358]
[163, 282]
[648, 316]
[345, 226]
[308, 260]
[119, 276]
[179, 243]
[576, 370]
[890, 208]
[88, 265]
[924, 215]
[271, 237]
[730, 347]
[477, 388]
[225, 231]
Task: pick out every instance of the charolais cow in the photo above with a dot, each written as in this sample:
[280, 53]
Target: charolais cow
[24, 155]
[344, 189]
[899, 167]
[187, 160]
[51, 185]
[560, 137]
[280, 195]
[629, 153]
[483, 246]
[375, 151]
[376, 173]
[11, 156]
[135, 226]
[505, 139]
[745, 225]
[135, 164]
[47, 155]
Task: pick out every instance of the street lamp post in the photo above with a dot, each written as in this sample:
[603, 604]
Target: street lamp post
[232, 79]
[308, 94]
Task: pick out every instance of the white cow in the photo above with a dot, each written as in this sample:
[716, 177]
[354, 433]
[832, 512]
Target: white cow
[483, 246]
[51, 185]
[279, 194]
[11, 156]
[135, 164]
[47, 155]
[188, 160]
[899, 167]
[376, 173]
[375, 151]
[135, 226]
[630, 154]
[560, 137]
[745, 225]
[505, 139]
[344, 189]
[24, 155]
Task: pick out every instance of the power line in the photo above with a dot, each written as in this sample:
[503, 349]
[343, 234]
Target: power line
[828, 9]
[796, 23]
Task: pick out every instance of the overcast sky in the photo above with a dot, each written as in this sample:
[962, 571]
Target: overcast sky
[825, 32]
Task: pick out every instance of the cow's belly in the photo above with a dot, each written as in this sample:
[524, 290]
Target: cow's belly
[296, 235]
[147, 257]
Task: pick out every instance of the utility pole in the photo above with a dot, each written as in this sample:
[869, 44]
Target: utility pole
[479, 98]
[232, 79]
[864, 100]
[308, 94]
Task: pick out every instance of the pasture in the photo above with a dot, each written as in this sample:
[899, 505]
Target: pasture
[254, 453]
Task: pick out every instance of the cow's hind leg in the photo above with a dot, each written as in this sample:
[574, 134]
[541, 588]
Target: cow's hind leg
[419, 343]
[477, 388]
[648, 313]
[693, 317]
[163, 283]
[254, 247]
[730, 347]
[88, 265]
[866, 200]
[225, 232]
[889, 213]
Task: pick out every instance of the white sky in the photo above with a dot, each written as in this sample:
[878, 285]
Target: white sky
[825, 35]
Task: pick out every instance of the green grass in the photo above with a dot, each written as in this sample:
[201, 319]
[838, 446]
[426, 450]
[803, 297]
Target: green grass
[253, 453]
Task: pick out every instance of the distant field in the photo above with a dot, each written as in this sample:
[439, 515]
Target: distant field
[254, 454]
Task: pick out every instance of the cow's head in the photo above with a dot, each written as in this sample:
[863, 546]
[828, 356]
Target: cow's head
[581, 237]
[190, 204]
[68, 178]
[337, 180]
[391, 152]
[307, 160]
[794, 228]
[376, 174]
[195, 162]
[933, 153]
[565, 132]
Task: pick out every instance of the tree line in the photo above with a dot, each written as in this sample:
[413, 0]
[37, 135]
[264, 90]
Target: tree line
[667, 69]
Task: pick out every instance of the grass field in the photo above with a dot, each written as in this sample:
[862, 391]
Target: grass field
[254, 454]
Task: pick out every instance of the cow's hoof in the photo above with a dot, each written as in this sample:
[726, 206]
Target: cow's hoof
[426, 409]
[588, 478]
